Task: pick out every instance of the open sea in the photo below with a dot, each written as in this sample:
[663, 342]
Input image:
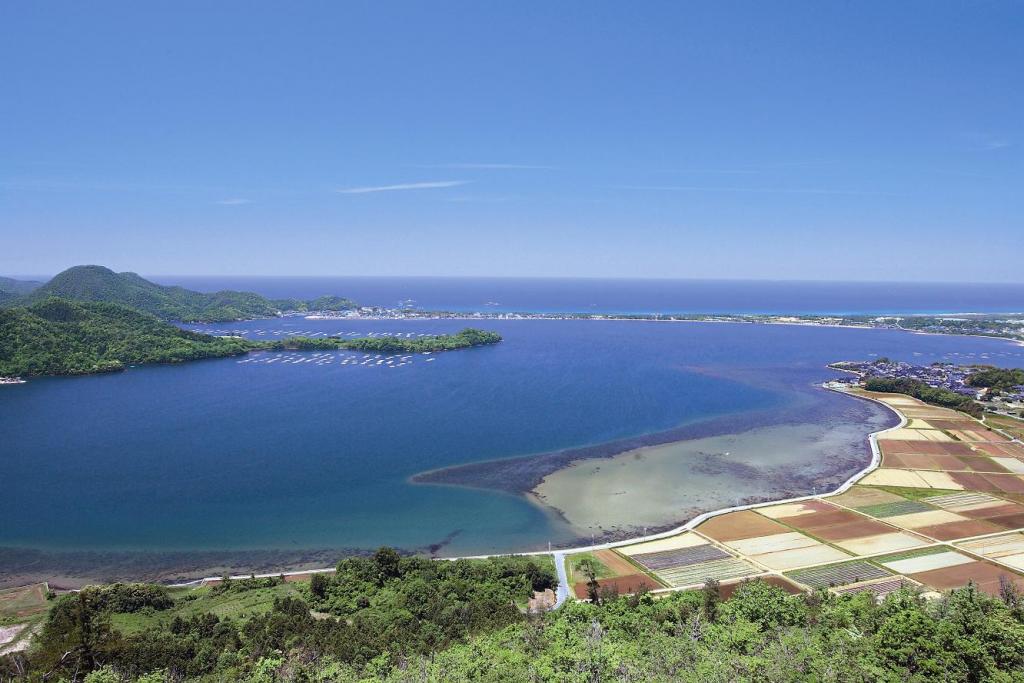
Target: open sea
[287, 452]
[573, 295]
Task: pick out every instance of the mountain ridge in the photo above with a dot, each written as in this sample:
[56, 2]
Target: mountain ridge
[94, 283]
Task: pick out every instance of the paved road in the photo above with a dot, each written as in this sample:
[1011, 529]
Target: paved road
[562, 594]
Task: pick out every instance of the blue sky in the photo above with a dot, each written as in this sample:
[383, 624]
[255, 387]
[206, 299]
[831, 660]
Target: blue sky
[796, 140]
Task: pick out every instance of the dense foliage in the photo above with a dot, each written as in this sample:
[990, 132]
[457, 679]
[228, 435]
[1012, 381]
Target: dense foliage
[999, 379]
[374, 613]
[60, 337]
[397, 619]
[926, 393]
[127, 598]
[444, 342]
[96, 283]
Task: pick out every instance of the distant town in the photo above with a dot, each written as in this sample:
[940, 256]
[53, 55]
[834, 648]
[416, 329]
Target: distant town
[997, 390]
[1008, 325]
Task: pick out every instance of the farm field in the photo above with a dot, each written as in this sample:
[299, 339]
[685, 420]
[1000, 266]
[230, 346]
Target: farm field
[944, 508]
[1011, 426]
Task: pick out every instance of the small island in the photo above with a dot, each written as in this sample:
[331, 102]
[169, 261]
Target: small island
[62, 337]
[444, 342]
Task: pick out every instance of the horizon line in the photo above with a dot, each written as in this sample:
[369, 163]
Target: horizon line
[36, 276]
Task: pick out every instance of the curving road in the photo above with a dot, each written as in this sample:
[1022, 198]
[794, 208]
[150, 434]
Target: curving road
[562, 594]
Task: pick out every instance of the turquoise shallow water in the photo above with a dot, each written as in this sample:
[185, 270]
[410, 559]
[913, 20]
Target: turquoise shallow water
[227, 455]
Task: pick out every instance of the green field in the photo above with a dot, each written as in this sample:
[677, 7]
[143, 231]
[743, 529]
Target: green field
[1011, 426]
[897, 507]
[190, 602]
[572, 563]
[18, 605]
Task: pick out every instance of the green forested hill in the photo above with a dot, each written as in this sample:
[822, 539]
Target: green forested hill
[60, 337]
[97, 283]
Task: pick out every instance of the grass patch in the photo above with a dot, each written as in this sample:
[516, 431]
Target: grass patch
[914, 493]
[572, 563]
[188, 602]
[19, 605]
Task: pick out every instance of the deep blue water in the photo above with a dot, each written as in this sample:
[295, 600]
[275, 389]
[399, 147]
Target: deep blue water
[223, 454]
[635, 296]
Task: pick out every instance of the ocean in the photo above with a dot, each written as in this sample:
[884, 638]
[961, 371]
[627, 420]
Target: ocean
[280, 455]
[560, 295]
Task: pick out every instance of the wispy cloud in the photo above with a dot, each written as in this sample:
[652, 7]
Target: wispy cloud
[761, 190]
[479, 199]
[753, 168]
[234, 201]
[487, 166]
[985, 142]
[996, 143]
[402, 186]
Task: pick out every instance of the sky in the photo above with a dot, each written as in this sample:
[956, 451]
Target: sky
[796, 140]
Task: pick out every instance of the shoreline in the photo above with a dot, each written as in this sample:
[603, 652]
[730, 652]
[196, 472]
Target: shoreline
[673, 530]
[876, 458]
[273, 560]
[658, 487]
[74, 568]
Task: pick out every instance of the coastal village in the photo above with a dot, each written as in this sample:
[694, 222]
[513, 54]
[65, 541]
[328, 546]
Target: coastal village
[948, 376]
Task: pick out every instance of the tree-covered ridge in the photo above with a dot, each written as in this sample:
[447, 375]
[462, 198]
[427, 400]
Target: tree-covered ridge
[61, 337]
[11, 289]
[9, 285]
[444, 342]
[924, 392]
[97, 283]
[401, 619]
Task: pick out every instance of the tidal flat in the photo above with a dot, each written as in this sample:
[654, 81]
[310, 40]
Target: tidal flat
[657, 487]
